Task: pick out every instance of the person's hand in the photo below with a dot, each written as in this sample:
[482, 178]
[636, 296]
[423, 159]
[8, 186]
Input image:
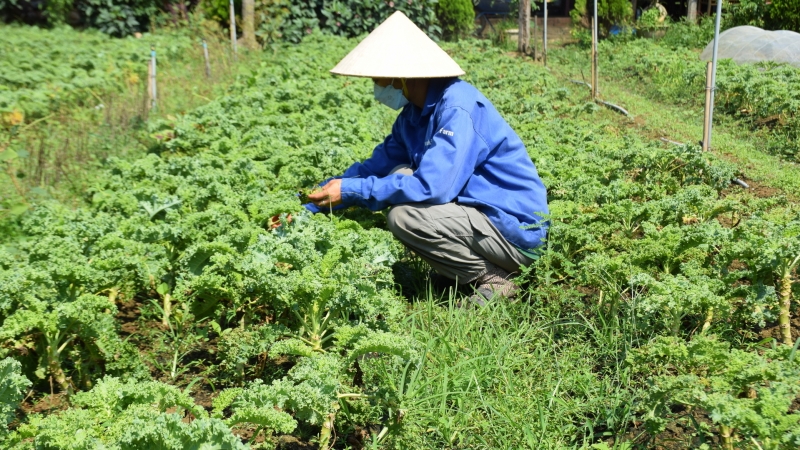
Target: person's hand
[275, 221]
[330, 195]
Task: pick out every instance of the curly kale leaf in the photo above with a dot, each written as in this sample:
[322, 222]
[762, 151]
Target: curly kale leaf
[87, 325]
[12, 389]
[131, 415]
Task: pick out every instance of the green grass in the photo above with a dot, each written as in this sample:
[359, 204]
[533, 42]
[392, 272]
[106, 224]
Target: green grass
[509, 376]
[747, 148]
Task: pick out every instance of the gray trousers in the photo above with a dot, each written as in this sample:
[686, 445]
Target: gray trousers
[458, 241]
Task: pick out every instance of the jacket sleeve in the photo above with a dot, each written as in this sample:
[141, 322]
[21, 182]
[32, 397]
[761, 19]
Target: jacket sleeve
[386, 156]
[456, 150]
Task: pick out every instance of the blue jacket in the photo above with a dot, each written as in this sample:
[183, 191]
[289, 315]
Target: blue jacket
[461, 150]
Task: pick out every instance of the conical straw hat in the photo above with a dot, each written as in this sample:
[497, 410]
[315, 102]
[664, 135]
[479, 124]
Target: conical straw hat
[398, 49]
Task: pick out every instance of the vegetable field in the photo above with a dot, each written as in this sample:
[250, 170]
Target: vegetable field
[191, 302]
[44, 70]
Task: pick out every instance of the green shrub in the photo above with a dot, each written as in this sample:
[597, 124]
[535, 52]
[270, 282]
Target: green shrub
[456, 17]
[608, 11]
[115, 18]
[777, 15]
[219, 10]
[747, 12]
[285, 20]
[118, 18]
[785, 15]
[689, 35]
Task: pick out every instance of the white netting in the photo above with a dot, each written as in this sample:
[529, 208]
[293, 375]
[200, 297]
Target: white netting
[748, 44]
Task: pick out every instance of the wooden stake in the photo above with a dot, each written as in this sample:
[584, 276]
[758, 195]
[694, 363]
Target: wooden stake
[205, 55]
[233, 28]
[707, 115]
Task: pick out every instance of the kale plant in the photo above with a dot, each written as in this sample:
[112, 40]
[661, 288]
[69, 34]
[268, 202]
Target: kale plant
[746, 394]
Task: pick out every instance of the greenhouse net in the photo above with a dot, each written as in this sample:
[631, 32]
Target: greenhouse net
[748, 44]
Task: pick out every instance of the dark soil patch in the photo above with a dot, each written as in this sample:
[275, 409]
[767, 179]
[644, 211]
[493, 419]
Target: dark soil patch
[127, 315]
[681, 433]
[760, 190]
[588, 291]
[204, 397]
[46, 404]
[287, 442]
[754, 188]
[773, 330]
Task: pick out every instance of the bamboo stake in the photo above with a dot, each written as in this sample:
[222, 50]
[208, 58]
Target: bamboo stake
[153, 89]
[205, 55]
[707, 116]
[233, 28]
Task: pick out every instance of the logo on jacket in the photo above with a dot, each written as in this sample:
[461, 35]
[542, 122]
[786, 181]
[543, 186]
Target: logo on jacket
[446, 132]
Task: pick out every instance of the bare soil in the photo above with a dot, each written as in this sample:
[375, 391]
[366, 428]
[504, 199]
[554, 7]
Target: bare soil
[773, 330]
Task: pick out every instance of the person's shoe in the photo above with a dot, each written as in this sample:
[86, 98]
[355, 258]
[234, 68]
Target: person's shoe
[481, 296]
[494, 283]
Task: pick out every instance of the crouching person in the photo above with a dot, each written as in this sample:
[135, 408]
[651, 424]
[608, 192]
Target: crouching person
[463, 193]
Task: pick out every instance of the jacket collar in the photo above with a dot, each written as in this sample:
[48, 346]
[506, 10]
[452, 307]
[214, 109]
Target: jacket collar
[436, 89]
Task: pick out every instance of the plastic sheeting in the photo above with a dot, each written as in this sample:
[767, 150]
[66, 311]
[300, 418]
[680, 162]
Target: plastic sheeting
[748, 44]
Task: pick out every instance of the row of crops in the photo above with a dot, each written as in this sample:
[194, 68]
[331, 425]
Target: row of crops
[664, 296]
[41, 71]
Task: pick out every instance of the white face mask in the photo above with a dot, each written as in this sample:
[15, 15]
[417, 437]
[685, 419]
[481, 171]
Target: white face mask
[390, 96]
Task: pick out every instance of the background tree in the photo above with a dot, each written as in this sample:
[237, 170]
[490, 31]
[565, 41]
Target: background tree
[523, 43]
[456, 18]
[691, 15]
